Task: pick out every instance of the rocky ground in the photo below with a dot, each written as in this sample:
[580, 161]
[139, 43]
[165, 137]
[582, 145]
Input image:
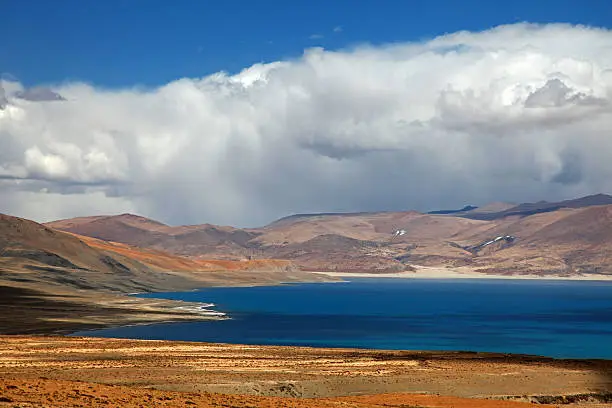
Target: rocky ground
[49, 394]
[62, 371]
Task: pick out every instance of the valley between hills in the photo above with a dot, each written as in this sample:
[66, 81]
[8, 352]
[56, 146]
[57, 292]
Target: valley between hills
[75, 274]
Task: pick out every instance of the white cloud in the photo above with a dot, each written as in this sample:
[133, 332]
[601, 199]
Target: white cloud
[519, 112]
[316, 36]
[337, 29]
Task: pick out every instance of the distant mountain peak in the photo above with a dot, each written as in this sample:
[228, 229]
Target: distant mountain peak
[526, 209]
[134, 218]
[130, 215]
[599, 195]
[464, 209]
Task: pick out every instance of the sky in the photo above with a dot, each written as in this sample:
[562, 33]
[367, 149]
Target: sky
[240, 112]
[122, 43]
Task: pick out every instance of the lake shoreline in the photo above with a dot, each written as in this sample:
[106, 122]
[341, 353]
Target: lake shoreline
[132, 310]
[432, 272]
[48, 309]
[472, 315]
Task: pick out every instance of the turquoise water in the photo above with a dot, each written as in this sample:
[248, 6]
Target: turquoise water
[565, 319]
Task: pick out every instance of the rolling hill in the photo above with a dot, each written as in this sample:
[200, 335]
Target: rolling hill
[562, 238]
[191, 240]
[59, 282]
[31, 253]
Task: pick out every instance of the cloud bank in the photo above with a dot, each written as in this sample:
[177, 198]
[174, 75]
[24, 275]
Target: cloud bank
[518, 112]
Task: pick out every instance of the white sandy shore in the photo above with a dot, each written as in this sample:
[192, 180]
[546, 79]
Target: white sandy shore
[432, 272]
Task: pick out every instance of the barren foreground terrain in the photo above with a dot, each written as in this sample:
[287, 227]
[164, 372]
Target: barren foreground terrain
[63, 371]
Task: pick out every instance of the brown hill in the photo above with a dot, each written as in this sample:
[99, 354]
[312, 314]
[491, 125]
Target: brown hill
[569, 240]
[192, 240]
[33, 253]
[60, 282]
[126, 228]
[578, 241]
[359, 241]
[372, 241]
[567, 237]
[164, 261]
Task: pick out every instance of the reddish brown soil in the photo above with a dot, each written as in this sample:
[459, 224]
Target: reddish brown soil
[166, 261]
[61, 371]
[52, 393]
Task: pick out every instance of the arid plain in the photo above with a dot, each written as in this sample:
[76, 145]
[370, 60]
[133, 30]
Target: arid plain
[52, 371]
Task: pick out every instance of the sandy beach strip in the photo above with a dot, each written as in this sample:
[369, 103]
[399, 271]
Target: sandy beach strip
[432, 272]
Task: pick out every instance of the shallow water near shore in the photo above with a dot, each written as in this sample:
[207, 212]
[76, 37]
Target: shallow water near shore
[563, 319]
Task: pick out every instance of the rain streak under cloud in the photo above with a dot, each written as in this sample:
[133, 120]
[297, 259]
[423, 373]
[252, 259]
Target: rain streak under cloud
[516, 113]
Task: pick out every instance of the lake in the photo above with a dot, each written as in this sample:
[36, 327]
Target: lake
[565, 319]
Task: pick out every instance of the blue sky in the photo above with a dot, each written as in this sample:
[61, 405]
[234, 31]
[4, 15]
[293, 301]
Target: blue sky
[115, 43]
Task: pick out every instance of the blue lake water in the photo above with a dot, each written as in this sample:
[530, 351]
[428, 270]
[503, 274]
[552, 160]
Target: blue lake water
[566, 319]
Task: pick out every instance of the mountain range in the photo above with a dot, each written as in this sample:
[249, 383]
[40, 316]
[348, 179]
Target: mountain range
[561, 238]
